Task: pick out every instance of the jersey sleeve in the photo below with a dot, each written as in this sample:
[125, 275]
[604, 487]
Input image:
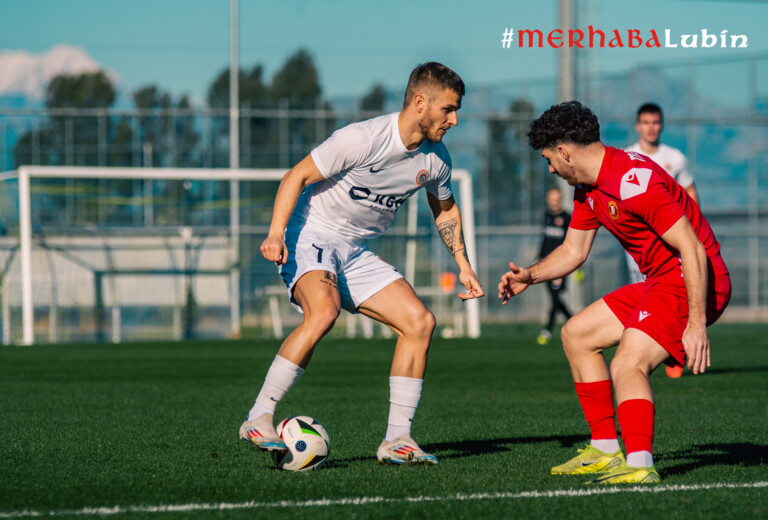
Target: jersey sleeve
[656, 206]
[582, 217]
[683, 176]
[346, 148]
[440, 186]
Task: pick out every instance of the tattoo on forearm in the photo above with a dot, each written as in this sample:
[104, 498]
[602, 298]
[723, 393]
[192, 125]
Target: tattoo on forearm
[451, 236]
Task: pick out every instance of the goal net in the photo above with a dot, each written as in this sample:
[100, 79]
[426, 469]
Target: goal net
[127, 254]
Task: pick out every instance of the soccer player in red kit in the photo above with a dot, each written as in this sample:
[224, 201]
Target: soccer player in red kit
[661, 320]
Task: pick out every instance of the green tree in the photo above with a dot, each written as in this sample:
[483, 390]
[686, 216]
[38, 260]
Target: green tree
[88, 90]
[252, 90]
[153, 126]
[295, 86]
[512, 167]
[187, 138]
[374, 99]
[84, 133]
[253, 93]
[166, 128]
[70, 139]
[297, 81]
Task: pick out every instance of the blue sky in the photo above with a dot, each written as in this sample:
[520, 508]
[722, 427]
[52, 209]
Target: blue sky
[181, 45]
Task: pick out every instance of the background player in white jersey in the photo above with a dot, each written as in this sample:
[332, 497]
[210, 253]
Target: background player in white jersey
[649, 125]
[355, 181]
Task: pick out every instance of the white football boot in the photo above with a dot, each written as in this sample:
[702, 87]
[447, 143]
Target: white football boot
[261, 433]
[403, 450]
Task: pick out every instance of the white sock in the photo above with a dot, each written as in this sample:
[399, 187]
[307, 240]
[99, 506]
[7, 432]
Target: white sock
[404, 395]
[640, 459]
[606, 445]
[282, 375]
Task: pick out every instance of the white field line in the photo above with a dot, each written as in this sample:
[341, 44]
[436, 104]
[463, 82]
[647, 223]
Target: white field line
[362, 501]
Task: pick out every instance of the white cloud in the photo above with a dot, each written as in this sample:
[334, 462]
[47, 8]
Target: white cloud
[22, 73]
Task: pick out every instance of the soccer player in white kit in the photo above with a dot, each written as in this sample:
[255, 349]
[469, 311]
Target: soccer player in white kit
[345, 191]
[649, 125]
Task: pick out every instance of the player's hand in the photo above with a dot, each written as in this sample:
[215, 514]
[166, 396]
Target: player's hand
[470, 282]
[513, 282]
[696, 345]
[273, 249]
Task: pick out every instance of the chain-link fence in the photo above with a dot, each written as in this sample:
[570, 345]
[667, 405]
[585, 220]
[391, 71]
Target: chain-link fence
[716, 112]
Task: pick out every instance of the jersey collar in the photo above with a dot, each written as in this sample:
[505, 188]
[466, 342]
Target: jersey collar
[399, 140]
[604, 166]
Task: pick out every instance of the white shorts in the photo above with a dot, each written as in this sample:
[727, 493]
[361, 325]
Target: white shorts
[360, 273]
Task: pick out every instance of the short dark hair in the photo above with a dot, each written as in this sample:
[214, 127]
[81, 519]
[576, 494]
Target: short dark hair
[569, 122]
[432, 74]
[650, 108]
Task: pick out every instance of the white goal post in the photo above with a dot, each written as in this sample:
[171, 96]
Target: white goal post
[26, 231]
[25, 173]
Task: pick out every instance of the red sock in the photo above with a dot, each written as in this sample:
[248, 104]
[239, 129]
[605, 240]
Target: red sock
[636, 421]
[597, 402]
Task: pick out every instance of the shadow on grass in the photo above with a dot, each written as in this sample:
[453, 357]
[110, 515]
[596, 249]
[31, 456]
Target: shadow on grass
[468, 448]
[726, 454]
[482, 447]
[735, 370]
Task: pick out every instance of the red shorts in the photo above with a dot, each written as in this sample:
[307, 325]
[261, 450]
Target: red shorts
[660, 309]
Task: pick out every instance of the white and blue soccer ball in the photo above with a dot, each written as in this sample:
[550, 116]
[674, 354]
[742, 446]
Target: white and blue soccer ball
[307, 442]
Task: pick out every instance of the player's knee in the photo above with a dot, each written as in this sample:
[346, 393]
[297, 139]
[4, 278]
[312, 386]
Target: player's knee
[568, 335]
[621, 367]
[575, 338]
[322, 321]
[421, 324]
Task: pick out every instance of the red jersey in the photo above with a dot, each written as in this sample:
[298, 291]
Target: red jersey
[637, 201]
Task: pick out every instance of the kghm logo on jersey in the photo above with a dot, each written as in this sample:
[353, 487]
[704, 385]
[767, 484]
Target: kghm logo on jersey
[422, 177]
[613, 209]
[387, 201]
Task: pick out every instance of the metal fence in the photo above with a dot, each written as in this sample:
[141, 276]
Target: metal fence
[716, 112]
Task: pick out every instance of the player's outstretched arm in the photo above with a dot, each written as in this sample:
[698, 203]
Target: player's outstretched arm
[293, 183]
[693, 258]
[448, 222]
[565, 259]
[513, 282]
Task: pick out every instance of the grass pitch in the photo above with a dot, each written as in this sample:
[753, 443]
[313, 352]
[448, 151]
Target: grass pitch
[150, 431]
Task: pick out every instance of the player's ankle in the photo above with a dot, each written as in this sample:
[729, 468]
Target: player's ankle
[640, 459]
[606, 445]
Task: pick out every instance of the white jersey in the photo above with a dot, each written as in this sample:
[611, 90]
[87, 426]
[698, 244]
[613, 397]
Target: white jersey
[368, 174]
[672, 160]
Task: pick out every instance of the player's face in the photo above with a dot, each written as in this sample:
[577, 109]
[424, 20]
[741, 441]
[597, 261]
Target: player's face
[559, 166]
[440, 115]
[554, 199]
[649, 127]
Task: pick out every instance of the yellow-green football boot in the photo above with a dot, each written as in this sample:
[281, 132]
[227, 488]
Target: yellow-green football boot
[629, 475]
[591, 460]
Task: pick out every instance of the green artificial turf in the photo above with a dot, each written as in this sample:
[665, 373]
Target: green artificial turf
[146, 426]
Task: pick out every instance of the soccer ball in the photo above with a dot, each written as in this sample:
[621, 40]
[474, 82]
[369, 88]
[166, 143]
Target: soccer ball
[307, 441]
